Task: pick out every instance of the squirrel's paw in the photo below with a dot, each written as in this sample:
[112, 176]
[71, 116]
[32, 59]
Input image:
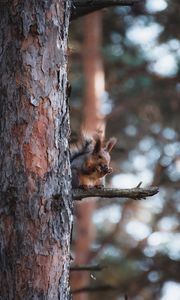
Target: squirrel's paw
[99, 186]
[85, 187]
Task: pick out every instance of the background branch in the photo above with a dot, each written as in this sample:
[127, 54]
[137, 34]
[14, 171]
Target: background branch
[90, 289]
[84, 7]
[87, 268]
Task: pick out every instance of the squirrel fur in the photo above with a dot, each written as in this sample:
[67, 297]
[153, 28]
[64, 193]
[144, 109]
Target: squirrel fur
[90, 161]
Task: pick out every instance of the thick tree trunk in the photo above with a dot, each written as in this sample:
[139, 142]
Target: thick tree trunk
[34, 157]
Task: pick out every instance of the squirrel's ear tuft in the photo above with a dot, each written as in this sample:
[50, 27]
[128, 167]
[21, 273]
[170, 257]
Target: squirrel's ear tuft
[110, 144]
[97, 145]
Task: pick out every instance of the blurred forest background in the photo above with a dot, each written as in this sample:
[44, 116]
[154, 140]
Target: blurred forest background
[125, 76]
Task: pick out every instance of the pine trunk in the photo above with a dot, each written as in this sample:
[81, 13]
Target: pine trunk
[35, 228]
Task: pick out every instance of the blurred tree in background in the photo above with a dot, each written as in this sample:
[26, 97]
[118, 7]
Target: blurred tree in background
[91, 120]
[139, 242]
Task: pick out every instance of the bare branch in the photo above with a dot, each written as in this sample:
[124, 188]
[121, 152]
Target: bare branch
[84, 7]
[90, 289]
[139, 184]
[87, 268]
[134, 193]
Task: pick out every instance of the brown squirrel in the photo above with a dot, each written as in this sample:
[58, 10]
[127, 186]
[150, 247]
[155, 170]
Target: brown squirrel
[90, 162]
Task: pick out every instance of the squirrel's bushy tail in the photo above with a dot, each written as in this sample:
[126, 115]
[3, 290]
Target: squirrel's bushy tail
[84, 146]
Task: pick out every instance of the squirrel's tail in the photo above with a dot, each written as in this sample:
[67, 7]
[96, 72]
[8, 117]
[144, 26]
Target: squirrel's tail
[84, 146]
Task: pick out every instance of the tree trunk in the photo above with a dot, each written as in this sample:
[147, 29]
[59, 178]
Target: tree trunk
[92, 120]
[94, 74]
[34, 158]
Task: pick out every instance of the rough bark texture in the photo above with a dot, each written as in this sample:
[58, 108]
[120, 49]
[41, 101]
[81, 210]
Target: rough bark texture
[34, 156]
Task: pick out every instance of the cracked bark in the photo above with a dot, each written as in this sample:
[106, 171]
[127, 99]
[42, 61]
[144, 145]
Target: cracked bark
[34, 159]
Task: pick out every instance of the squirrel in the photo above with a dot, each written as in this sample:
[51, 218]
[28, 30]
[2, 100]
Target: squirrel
[90, 161]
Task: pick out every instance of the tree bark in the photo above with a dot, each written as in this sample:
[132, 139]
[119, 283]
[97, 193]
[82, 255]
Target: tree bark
[34, 156]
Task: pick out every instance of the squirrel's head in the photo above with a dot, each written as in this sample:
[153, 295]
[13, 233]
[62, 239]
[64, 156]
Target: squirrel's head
[100, 157]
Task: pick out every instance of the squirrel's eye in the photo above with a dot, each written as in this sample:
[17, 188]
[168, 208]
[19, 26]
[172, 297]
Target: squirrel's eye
[99, 156]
